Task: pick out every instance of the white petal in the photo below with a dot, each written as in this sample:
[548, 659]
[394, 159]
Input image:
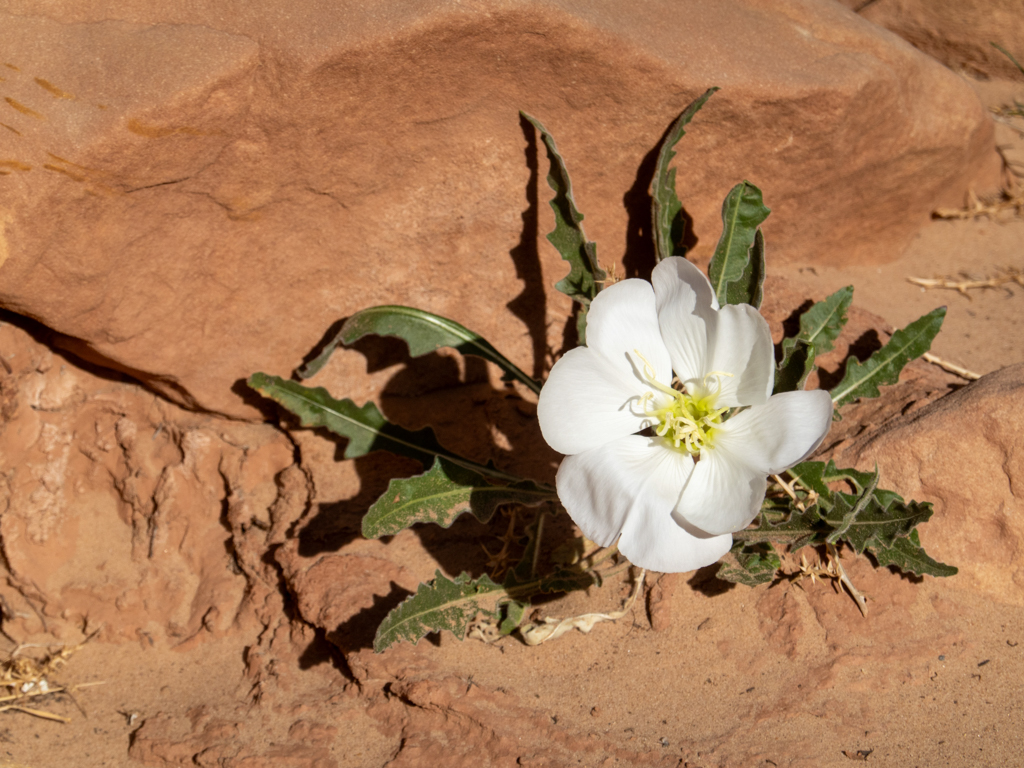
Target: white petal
[666, 543]
[784, 431]
[740, 343]
[633, 478]
[685, 306]
[587, 402]
[623, 318]
[723, 494]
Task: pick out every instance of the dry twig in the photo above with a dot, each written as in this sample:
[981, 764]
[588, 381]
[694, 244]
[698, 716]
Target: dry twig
[965, 283]
[1009, 199]
[27, 678]
[833, 569]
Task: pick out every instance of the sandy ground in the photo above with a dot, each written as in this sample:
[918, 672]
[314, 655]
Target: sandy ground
[697, 675]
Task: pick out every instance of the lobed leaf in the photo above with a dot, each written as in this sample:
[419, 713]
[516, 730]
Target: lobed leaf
[440, 604]
[440, 495]
[820, 326]
[909, 556]
[423, 332]
[869, 519]
[884, 366]
[585, 275]
[666, 210]
[735, 274]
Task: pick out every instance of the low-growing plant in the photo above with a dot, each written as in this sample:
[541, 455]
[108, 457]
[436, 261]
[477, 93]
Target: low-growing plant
[669, 448]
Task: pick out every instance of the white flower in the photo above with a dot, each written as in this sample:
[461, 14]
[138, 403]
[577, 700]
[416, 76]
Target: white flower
[675, 493]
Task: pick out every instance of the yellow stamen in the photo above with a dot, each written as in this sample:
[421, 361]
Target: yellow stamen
[688, 422]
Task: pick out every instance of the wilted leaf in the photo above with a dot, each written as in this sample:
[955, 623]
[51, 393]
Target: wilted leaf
[735, 275]
[583, 281]
[820, 326]
[423, 332]
[440, 495]
[666, 210]
[884, 366]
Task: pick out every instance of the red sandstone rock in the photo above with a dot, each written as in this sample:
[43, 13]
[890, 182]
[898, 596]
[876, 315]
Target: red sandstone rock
[191, 194]
[963, 452]
[956, 32]
[113, 509]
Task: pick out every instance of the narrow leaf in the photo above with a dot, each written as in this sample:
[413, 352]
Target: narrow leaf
[749, 289]
[820, 326]
[1008, 55]
[884, 366]
[908, 555]
[585, 275]
[440, 495]
[666, 210]
[423, 332]
[366, 428]
[441, 604]
[742, 213]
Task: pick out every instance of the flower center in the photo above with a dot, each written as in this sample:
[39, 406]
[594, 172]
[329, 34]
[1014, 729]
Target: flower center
[689, 419]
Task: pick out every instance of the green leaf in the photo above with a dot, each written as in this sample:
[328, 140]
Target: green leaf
[423, 332]
[451, 604]
[874, 525]
[733, 263]
[440, 495]
[908, 555]
[869, 519]
[441, 604]
[666, 210]
[749, 564]
[512, 614]
[884, 366]
[366, 429]
[585, 275]
[820, 326]
[749, 289]
[783, 524]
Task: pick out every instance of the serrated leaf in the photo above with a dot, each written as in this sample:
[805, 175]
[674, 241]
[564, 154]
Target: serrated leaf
[749, 564]
[908, 555]
[424, 332]
[585, 275]
[742, 213]
[667, 224]
[874, 524]
[451, 604]
[440, 495]
[441, 604]
[884, 366]
[820, 326]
